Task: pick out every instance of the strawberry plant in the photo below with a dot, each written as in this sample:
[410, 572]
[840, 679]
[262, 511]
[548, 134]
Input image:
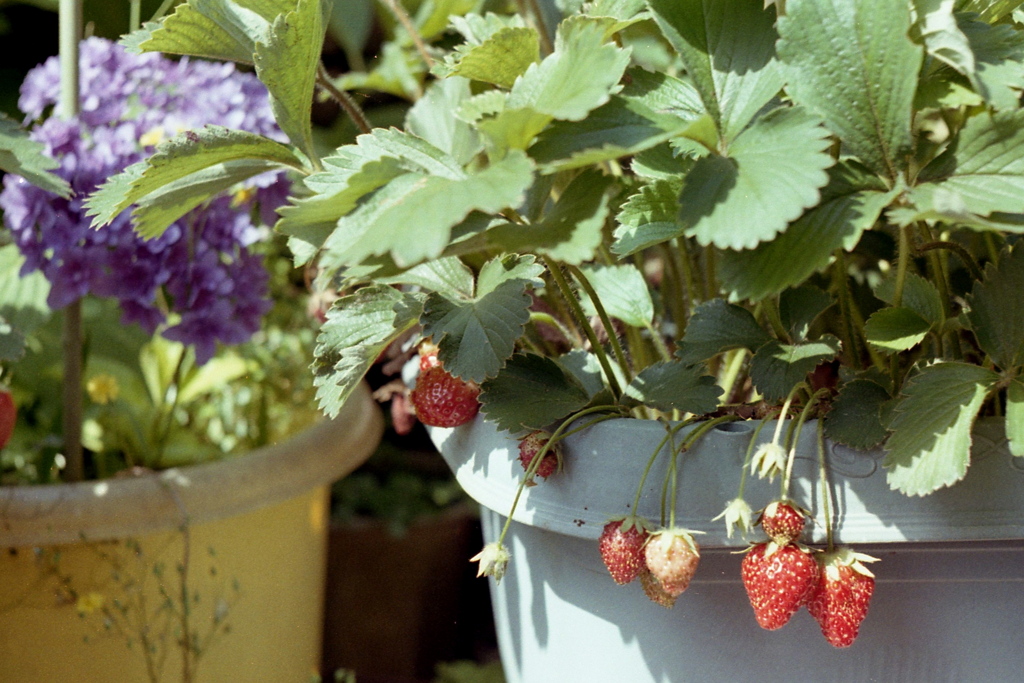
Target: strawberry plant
[660, 209]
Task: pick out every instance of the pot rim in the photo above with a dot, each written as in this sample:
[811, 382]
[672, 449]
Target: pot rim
[166, 500]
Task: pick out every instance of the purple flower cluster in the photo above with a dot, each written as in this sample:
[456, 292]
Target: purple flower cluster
[201, 275]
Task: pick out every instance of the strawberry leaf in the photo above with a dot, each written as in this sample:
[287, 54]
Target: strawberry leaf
[476, 337]
[286, 63]
[431, 119]
[981, 173]
[728, 49]
[623, 292]
[864, 89]
[649, 217]
[214, 30]
[919, 295]
[997, 319]
[580, 75]
[358, 328]
[21, 156]
[673, 385]
[773, 172]
[931, 427]
[500, 59]
[571, 230]
[180, 162]
[776, 367]
[531, 392]
[855, 418]
[895, 328]
[447, 276]
[717, 326]
[798, 308]
[851, 203]
[1015, 416]
[998, 60]
[412, 216]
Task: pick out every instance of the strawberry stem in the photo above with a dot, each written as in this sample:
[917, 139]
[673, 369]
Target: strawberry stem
[750, 451]
[826, 493]
[690, 439]
[796, 438]
[613, 338]
[555, 437]
[570, 298]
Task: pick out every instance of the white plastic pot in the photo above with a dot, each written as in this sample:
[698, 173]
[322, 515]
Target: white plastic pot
[947, 603]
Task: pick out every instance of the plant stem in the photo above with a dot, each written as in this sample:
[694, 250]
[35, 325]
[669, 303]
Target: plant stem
[613, 338]
[532, 7]
[733, 365]
[570, 298]
[406, 21]
[344, 100]
[796, 438]
[902, 266]
[965, 256]
[70, 28]
[826, 493]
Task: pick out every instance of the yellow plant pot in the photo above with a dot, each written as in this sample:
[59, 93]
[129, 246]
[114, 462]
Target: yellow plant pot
[99, 580]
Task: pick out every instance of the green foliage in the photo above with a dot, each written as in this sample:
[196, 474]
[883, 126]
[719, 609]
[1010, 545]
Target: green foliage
[774, 192]
[21, 156]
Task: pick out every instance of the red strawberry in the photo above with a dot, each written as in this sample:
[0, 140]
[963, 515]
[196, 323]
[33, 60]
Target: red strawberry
[842, 594]
[672, 557]
[778, 579]
[442, 400]
[783, 522]
[654, 590]
[8, 416]
[532, 444]
[622, 548]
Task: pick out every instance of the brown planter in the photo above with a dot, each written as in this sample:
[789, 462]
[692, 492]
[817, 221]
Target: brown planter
[397, 605]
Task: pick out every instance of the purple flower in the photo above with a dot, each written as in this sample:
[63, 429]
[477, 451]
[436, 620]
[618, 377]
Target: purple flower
[200, 279]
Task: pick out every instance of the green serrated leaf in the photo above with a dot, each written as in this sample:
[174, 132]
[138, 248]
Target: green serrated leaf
[434, 16]
[728, 48]
[571, 231]
[798, 308]
[773, 172]
[358, 328]
[413, 215]
[213, 29]
[717, 326]
[580, 75]
[586, 368]
[989, 10]
[476, 337]
[855, 418]
[531, 392]
[431, 119]
[1015, 417]
[287, 63]
[649, 217]
[187, 154]
[21, 156]
[506, 268]
[936, 26]
[668, 386]
[930, 445]
[446, 276]
[851, 204]
[776, 367]
[999, 60]
[919, 295]
[996, 315]
[661, 163]
[23, 306]
[500, 59]
[623, 292]
[619, 128]
[855, 66]
[894, 329]
[981, 172]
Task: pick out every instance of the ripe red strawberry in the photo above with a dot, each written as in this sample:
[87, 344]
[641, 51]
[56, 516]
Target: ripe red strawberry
[654, 590]
[778, 579]
[532, 444]
[622, 548]
[8, 416]
[842, 594]
[783, 521]
[442, 400]
[672, 556]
